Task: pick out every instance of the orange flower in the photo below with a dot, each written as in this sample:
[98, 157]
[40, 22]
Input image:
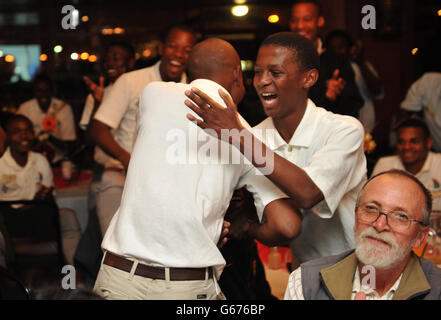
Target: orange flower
[49, 123]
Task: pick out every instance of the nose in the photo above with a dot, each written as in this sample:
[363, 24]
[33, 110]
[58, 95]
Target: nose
[381, 224]
[262, 79]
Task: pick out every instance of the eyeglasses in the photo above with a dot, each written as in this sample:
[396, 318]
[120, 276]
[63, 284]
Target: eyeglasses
[397, 220]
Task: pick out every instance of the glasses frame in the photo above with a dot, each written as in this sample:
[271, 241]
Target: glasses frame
[386, 214]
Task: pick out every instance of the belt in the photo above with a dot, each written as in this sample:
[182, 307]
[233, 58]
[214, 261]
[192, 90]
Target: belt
[176, 274]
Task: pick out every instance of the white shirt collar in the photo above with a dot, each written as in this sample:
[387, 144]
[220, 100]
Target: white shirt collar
[304, 133]
[158, 73]
[370, 292]
[10, 161]
[211, 88]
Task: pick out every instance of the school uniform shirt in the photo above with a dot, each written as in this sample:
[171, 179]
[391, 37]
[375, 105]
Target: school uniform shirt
[119, 110]
[22, 183]
[329, 148]
[175, 196]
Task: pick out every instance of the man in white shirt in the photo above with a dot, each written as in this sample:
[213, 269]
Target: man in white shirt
[161, 243]
[392, 218]
[52, 118]
[27, 175]
[318, 156]
[414, 156]
[114, 126]
[425, 95]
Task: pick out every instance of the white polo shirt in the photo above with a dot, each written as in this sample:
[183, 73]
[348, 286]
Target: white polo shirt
[61, 111]
[173, 204]
[329, 148]
[98, 155]
[429, 175]
[425, 95]
[22, 183]
[119, 109]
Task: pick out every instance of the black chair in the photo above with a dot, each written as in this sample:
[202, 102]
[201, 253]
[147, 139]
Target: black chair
[34, 224]
[11, 288]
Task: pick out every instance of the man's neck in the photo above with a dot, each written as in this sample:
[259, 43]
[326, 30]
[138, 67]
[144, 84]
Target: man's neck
[385, 278]
[287, 125]
[20, 157]
[415, 168]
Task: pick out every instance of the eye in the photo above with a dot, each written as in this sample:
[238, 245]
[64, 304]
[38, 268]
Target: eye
[276, 73]
[371, 207]
[257, 71]
[400, 216]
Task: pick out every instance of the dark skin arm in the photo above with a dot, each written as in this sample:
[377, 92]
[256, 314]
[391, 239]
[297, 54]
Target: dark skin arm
[283, 221]
[304, 192]
[100, 133]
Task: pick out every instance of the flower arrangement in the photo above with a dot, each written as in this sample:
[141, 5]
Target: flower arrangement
[369, 143]
[49, 123]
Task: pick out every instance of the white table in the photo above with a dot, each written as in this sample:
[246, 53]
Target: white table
[75, 198]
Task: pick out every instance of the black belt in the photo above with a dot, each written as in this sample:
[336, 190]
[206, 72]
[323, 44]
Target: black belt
[176, 274]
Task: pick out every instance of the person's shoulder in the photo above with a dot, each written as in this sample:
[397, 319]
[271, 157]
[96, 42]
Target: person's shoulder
[391, 158]
[325, 261]
[338, 121]
[431, 76]
[39, 158]
[265, 124]
[27, 105]
[171, 86]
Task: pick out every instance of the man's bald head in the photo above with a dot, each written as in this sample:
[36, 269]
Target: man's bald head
[210, 59]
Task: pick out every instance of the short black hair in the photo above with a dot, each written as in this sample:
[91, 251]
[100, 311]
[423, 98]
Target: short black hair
[304, 50]
[180, 27]
[338, 34]
[414, 123]
[314, 2]
[42, 77]
[15, 118]
[126, 46]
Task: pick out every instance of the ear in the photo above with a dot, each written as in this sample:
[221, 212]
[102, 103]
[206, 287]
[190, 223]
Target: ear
[310, 78]
[429, 143]
[237, 75]
[421, 237]
[320, 22]
[160, 48]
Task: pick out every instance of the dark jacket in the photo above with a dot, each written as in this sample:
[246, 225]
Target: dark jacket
[331, 278]
[350, 101]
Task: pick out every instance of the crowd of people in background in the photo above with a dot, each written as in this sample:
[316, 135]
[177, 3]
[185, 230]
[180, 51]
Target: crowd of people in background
[165, 223]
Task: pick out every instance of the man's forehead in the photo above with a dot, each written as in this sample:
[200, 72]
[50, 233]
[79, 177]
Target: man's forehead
[305, 9]
[393, 189]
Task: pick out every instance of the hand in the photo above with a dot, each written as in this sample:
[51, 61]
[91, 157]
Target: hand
[125, 159]
[214, 116]
[360, 296]
[334, 86]
[224, 235]
[44, 193]
[97, 90]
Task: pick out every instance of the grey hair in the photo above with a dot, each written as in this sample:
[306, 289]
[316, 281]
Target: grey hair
[427, 195]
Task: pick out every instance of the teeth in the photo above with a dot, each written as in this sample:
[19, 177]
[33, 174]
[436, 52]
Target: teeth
[175, 63]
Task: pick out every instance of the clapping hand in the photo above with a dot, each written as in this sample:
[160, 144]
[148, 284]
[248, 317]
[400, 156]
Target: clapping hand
[97, 90]
[334, 86]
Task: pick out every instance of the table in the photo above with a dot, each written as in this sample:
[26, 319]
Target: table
[73, 195]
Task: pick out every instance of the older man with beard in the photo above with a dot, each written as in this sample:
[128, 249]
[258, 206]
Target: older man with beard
[392, 218]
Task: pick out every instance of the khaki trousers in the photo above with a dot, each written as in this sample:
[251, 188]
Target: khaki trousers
[115, 284]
